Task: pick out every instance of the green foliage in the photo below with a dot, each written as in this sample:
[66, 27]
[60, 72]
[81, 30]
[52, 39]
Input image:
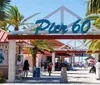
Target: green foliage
[92, 17]
[39, 46]
[42, 44]
[93, 7]
[15, 18]
[2, 80]
[93, 45]
[4, 26]
[4, 4]
[95, 19]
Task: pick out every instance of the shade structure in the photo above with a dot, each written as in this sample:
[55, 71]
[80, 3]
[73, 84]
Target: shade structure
[3, 35]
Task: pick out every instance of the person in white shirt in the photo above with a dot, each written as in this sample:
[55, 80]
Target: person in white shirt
[98, 70]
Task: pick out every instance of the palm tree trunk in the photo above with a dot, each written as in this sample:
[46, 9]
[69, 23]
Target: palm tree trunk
[34, 52]
[34, 60]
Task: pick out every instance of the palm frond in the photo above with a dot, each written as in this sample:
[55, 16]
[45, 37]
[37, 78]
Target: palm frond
[30, 17]
[4, 4]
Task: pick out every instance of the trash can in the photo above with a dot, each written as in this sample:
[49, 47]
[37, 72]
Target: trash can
[36, 72]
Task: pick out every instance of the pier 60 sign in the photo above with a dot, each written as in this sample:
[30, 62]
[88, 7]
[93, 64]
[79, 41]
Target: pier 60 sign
[53, 28]
[44, 26]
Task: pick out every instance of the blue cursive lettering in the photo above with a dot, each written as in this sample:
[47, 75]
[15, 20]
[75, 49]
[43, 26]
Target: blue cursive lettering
[44, 24]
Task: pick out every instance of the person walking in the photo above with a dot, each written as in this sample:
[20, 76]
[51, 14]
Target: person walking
[63, 77]
[86, 65]
[49, 68]
[98, 70]
[26, 68]
[45, 66]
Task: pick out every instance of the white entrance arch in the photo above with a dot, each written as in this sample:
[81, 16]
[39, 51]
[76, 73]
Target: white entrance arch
[12, 43]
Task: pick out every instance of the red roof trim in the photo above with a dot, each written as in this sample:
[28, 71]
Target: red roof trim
[23, 37]
[74, 51]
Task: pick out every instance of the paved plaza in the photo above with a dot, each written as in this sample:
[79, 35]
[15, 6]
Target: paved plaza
[79, 77]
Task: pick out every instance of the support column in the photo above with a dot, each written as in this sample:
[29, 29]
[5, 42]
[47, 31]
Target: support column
[53, 61]
[70, 60]
[11, 60]
[96, 57]
[73, 59]
[62, 16]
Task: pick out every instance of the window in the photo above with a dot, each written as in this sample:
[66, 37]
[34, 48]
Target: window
[1, 56]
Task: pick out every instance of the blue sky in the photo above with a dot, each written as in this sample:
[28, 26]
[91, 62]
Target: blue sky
[29, 7]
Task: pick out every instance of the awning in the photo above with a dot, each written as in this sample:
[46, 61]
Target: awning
[3, 35]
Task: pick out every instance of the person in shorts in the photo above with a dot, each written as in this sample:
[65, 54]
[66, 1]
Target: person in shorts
[49, 68]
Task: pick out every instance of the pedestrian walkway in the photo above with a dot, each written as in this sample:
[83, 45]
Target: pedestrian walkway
[80, 77]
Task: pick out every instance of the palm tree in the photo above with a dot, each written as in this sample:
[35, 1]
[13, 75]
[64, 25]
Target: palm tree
[93, 10]
[92, 17]
[93, 7]
[92, 45]
[3, 5]
[40, 45]
[15, 18]
[97, 23]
